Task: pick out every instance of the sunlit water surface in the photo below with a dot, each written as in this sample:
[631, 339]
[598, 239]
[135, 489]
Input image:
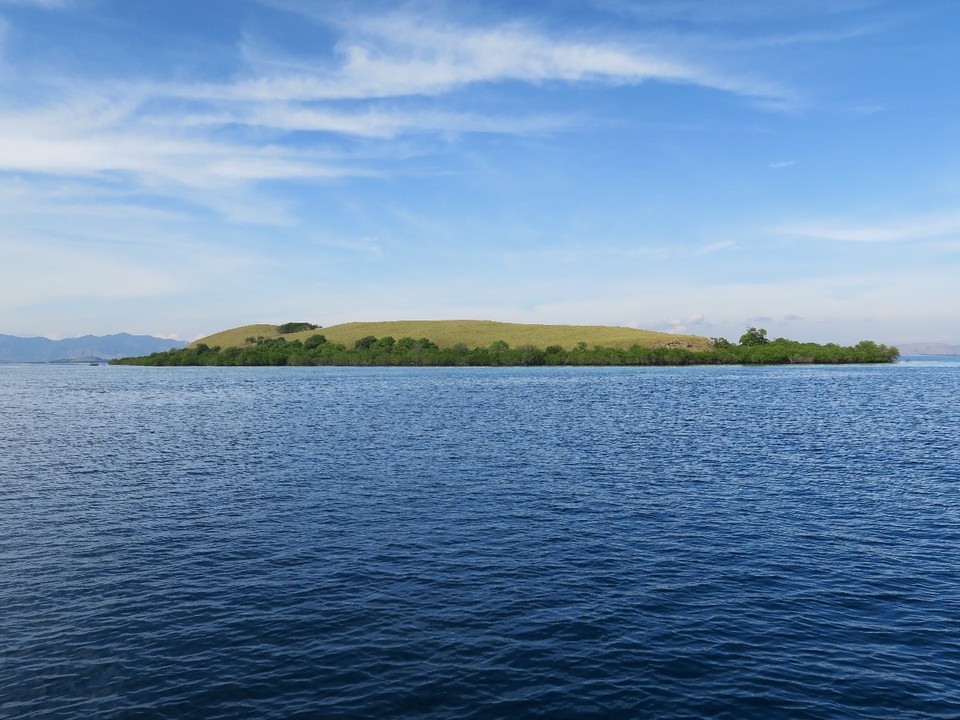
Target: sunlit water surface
[480, 543]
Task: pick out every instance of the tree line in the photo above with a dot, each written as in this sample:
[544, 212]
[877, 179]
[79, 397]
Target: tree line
[754, 348]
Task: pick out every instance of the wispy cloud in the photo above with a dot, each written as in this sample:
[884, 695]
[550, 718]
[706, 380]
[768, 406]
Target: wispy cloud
[681, 325]
[74, 267]
[580, 252]
[711, 248]
[115, 147]
[896, 230]
[174, 137]
[375, 122]
[45, 4]
[367, 245]
[41, 142]
[782, 164]
[731, 11]
[399, 55]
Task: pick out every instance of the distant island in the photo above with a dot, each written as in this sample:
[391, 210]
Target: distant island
[86, 349]
[481, 343]
[929, 348]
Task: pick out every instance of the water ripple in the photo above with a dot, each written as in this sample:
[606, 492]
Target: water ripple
[480, 543]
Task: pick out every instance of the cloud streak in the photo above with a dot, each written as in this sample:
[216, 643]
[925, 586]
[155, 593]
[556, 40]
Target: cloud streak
[400, 56]
[43, 4]
[377, 123]
[42, 142]
[172, 137]
[899, 230]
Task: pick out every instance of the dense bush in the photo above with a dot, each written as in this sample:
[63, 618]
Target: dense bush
[409, 351]
[294, 327]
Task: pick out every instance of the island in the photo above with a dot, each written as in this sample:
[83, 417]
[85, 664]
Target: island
[487, 343]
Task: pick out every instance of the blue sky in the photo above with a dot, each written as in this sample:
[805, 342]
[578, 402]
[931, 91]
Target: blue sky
[177, 167]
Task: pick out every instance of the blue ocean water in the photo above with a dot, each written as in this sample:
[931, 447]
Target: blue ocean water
[480, 543]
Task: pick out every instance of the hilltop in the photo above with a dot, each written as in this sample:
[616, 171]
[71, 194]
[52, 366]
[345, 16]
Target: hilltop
[471, 333]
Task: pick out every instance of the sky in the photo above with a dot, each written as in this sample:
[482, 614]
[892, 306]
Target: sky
[179, 167]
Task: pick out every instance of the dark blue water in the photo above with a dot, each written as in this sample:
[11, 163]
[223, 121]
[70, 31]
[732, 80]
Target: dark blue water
[480, 543]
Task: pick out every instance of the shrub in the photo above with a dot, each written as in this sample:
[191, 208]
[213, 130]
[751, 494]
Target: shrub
[753, 337]
[293, 327]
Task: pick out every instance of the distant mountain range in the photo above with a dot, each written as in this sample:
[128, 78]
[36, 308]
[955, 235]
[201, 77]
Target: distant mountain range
[87, 348]
[928, 349]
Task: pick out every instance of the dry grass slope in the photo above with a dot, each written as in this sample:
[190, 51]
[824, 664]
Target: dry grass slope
[238, 336]
[474, 333]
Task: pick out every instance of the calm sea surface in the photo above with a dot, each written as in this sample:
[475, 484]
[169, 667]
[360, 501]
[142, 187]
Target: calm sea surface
[480, 543]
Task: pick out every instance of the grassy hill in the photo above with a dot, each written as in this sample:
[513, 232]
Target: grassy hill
[472, 333]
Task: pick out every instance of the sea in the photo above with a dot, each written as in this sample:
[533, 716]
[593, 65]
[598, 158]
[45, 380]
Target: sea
[694, 542]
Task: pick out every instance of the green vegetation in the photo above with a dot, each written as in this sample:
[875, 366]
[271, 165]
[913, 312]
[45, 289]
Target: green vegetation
[295, 327]
[753, 337]
[754, 349]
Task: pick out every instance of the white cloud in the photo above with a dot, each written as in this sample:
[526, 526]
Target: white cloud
[400, 55]
[34, 272]
[44, 4]
[688, 326]
[730, 11]
[208, 143]
[375, 122]
[41, 142]
[711, 248]
[574, 253]
[65, 239]
[112, 147]
[367, 245]
[896, 230]
[886, 307]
